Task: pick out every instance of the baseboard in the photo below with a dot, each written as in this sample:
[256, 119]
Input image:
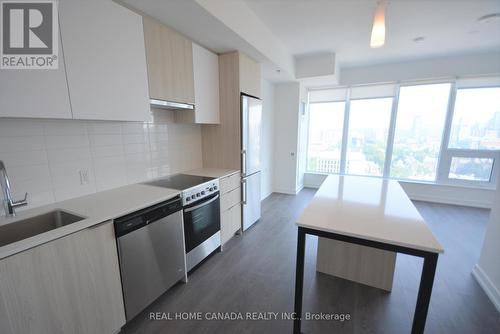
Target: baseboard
[488, 287]
[284, 191]
[266, 195]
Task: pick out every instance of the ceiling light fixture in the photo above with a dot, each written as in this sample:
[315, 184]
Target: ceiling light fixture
[378, 30]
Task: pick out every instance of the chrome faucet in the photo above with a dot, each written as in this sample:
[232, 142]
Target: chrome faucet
[9, 204]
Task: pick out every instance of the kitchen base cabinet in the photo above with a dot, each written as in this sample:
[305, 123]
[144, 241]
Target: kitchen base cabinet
[69, 285]
[230, 223]
[230, 202]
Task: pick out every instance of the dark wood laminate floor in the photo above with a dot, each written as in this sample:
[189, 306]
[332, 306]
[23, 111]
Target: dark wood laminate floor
[255, 273]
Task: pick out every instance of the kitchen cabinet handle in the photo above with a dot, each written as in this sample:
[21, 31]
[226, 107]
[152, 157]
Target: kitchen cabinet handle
[201, 205]
[244, 183]
[243, 162]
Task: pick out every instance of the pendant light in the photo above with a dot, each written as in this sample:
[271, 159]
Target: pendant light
[378, 30]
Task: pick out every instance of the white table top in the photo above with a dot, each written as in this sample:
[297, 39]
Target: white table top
[368, 208]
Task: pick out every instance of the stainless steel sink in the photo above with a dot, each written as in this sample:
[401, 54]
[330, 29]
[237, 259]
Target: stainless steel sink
[30, 227]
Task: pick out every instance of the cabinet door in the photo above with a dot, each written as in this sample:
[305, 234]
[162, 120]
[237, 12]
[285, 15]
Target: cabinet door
[249, 76]
[105, 60]
[69, 285]
[35, 93]
[170, 63]
[230, 223]
[206, 85]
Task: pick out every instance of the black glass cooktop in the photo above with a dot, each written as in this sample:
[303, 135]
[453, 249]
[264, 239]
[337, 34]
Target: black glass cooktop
[179, 181]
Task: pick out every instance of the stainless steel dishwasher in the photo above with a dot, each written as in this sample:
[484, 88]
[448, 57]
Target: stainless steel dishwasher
[151, 253]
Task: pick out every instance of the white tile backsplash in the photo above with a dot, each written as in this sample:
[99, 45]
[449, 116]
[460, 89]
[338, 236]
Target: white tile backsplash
[45, 157]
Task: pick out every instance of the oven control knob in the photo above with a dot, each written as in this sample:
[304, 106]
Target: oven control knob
[210, 189]
[198, 195]
[188, 199]
[215, 187]
[193, 196]
[203, 192]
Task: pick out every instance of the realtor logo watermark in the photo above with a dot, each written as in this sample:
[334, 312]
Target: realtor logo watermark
[29, 36]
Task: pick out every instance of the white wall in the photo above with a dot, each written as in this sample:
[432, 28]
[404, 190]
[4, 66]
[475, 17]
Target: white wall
[267, 144]
[303, 134]
[44, 157]
[465, 65]
[487, 271]
[286, 129]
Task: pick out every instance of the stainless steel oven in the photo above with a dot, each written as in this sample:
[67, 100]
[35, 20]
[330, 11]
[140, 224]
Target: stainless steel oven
[201, 229]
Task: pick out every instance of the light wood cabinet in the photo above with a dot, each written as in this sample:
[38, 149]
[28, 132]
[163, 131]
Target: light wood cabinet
[228, 183]
[103, 46]
[35, 93]
[230, 202]
[222, 143]
[69, 285]
[169, 58]
[230, 223]
[250, 75]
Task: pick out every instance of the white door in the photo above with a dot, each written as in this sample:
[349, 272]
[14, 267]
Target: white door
[251, 200]
[251, 116]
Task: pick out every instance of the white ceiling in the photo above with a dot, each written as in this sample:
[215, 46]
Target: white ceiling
[303, 27]
[344, 26]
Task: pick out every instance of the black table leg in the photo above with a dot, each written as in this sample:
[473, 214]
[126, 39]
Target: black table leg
[424, 293]
[299, 279]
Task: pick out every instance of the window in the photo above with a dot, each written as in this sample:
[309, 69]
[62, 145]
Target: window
[471, 169]
[419, 130]
[476, 119]
[367, 137]
[326, 121]
[418, 134]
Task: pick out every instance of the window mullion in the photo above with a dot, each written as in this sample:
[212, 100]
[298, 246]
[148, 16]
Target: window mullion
[345, 134]
[443, 164]
[390, 135]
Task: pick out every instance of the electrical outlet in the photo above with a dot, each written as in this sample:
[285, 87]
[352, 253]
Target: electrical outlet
[84, 176]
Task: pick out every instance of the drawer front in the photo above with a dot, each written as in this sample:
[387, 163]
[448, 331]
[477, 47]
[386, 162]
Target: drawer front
[230, 223]
[229, 183]
[230, 199]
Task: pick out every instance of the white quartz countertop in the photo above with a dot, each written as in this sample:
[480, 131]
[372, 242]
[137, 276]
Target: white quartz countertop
[96, 208]
[212, 172]
[368, 208]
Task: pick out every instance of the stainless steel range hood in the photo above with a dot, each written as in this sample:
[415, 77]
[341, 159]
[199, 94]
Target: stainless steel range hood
[163, 104]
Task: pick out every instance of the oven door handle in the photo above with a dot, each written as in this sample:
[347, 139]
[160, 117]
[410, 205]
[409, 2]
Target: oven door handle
[201, 205]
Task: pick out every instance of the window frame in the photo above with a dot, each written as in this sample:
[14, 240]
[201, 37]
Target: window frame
[446, 154]
[308, 115]
[449, 154]
[388, 133]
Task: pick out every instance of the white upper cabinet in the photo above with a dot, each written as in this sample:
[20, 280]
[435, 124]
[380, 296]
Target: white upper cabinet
[206, 85]
[35, 93]
[105, 59]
